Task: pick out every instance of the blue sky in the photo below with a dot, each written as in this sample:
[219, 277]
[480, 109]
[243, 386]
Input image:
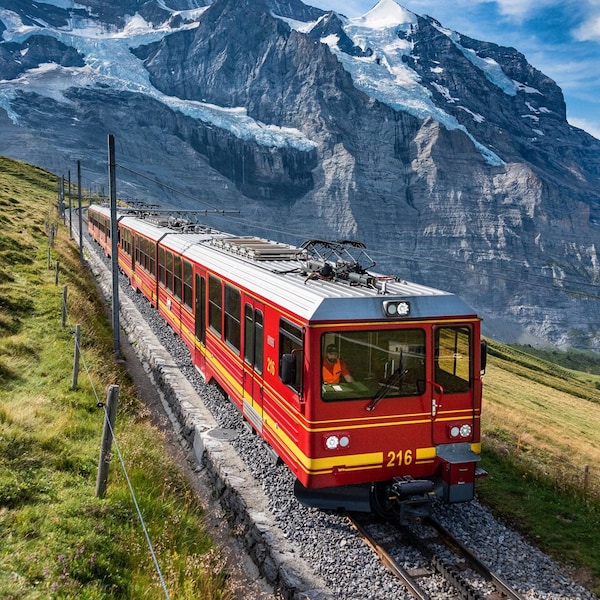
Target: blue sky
[561, 38]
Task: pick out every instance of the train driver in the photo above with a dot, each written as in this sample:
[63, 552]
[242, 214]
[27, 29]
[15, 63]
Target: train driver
[334, 368]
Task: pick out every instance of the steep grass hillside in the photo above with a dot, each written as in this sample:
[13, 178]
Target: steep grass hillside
[58, 539]
[541, 440]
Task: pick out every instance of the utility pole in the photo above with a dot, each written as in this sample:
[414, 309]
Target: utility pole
[80, 217]
[112, 182]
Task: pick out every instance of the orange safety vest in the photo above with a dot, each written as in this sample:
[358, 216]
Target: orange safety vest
[332, 373]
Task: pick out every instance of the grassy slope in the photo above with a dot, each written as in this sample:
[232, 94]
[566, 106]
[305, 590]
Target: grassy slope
[541, 425]
[58, 540]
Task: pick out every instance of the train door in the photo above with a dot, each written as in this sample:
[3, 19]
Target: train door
[453, 393]
[200, 321]
[253, 362]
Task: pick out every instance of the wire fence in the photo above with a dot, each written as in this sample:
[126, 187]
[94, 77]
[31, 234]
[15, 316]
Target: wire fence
[79, 357]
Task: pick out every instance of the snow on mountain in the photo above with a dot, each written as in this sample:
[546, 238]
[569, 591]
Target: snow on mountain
[388, 78]
[386, 14]
[110, 63]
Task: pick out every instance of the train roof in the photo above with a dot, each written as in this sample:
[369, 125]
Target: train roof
[294, 279]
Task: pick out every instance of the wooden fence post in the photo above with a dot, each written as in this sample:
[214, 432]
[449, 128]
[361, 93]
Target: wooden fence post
[64, 307]
[56, 271]
[586, 477]
[76, 357]
[110, 415]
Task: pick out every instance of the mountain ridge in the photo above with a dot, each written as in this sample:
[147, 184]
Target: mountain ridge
[449, 157]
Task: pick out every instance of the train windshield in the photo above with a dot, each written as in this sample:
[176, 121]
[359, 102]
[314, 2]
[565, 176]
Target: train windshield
[366, 364]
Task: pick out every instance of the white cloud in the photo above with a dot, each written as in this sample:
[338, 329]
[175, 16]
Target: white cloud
[518, 9]
[589, 31]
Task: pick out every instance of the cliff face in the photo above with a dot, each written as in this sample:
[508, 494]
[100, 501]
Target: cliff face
[463, 173]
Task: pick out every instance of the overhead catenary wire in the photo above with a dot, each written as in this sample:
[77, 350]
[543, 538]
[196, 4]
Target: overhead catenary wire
[511, 275]
[555, 285]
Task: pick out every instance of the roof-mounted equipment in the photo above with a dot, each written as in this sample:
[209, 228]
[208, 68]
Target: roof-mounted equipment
[344, 260]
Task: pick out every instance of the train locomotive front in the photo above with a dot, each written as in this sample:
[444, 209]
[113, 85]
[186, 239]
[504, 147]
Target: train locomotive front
[400, 420]
[366, 386]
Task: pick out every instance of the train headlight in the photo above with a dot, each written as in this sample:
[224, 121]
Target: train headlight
[333, 442]
[396, 308]
[465, 430]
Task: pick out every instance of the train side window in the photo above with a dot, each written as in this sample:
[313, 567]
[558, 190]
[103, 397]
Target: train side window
[187, 284]
[453, 359]
[177, 276]
[253, 338]
[128, 243]
[200, 324]
[290, 355]
[145, 251]
[233, 307]
[161, 266]
[125, 241]
[258, 341]
[248, 334]
[142, 252]
[169, 271]
[152, 258]
[137, 249]
[215, 304]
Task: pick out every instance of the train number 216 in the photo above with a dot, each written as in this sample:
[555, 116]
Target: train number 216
[397, 459]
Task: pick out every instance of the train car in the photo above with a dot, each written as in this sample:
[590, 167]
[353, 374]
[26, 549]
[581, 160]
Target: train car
[99, 228]
[368, 387]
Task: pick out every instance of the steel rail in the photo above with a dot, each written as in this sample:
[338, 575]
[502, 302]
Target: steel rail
[500, 584]
[387, 560]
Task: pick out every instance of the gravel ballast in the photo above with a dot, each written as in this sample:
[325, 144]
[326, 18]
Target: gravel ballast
[303, 553]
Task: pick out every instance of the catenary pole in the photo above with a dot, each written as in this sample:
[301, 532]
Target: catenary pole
[70, 209]
[80, 216]
[112, 182]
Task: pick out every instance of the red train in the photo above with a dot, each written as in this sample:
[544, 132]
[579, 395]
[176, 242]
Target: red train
[367, 387]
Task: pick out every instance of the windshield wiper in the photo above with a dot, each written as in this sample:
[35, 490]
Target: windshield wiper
[393, 381]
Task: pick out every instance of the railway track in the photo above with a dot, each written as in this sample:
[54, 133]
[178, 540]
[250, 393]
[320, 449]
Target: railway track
[443, 562]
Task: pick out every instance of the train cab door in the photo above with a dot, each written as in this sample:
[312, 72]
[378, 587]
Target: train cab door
[452, 389]
[253, 362]
[200, 321]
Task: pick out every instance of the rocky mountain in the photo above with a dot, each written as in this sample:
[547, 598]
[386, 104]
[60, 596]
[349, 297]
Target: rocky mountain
[451, 158]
